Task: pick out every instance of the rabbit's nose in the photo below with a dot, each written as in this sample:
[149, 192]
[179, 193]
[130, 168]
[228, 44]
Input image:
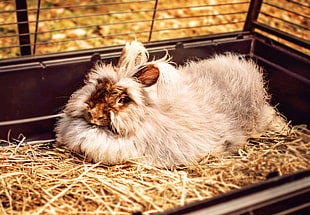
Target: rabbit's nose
[101, 120]
[94, 120]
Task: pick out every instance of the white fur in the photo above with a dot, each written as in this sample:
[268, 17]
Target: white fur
[133, 55]
[209, 106]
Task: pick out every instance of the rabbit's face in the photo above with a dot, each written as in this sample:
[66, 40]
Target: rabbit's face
[107, 98]
[112, 103]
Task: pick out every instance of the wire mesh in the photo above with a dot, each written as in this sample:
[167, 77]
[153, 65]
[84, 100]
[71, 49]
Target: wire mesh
[288, 17]
[65, 25]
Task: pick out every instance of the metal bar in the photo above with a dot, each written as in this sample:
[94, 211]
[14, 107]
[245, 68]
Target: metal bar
[125, 22]
[287, 10]
[286, 21]
[130, 2]
[153, 20]
[291, 38]
[252, 16]
[37, 27]
[197, 26]
[78, 6]
[23, 27]
[298, 3]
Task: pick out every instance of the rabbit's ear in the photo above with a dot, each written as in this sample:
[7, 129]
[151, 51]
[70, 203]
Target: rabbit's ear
[147, 75]
[133, 54]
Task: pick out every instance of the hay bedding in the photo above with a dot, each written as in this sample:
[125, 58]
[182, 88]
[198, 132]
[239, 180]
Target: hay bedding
[41, 179]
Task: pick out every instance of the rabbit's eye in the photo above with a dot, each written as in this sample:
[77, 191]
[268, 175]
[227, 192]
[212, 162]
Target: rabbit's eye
[124, 100]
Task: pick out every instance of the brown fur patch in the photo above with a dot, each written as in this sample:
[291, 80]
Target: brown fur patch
[106, 98]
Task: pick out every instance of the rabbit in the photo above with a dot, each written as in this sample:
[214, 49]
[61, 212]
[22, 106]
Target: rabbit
[165, 115]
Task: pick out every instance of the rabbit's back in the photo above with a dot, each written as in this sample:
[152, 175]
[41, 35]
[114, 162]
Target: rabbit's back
[235, 86]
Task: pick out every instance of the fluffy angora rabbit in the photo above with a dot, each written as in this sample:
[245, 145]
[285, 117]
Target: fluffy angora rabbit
[163, 115]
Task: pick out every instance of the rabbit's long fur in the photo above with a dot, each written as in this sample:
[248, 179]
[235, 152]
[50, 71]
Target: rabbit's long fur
[208, 106]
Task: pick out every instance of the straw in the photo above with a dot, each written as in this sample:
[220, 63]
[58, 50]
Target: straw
[41, 179]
